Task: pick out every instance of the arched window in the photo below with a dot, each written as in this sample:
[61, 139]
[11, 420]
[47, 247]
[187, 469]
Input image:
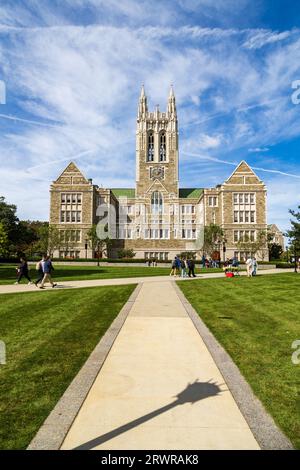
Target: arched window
[156, 203]
[150, 147]
[162, 147]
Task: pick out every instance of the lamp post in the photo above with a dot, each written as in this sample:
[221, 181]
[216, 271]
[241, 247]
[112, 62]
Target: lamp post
[218, 245]
[86, 247]
[224, 250]
[98, 253]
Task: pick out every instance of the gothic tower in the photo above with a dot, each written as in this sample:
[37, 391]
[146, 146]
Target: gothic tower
[157, 147]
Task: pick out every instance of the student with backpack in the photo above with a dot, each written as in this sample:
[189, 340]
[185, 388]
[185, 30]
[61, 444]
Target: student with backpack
[174, 267]
[40, 270]
[47, 268]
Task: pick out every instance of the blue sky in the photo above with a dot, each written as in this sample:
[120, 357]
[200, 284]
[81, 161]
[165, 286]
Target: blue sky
[73, 72]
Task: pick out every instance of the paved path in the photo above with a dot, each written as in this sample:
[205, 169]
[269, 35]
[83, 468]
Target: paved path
[159, 387]
[7, 289]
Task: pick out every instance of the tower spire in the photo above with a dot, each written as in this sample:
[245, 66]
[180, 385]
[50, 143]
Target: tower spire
[143, 106]
[172, 102]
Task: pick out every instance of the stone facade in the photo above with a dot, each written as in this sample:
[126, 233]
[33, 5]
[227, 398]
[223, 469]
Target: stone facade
[158, 219]
[277, 235]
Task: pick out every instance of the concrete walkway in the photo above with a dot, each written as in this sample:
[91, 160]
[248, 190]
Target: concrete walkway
[159, 387]
[12, 288]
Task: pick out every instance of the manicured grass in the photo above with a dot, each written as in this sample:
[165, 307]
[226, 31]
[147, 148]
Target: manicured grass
[48, 338]
[70, 273]
[256, 320]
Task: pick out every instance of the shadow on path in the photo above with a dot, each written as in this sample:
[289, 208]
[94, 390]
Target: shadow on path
[191, 394]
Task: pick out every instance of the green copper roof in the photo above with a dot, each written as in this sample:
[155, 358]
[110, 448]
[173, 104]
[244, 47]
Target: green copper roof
[119, 192]
[184, 193]
[190, 193]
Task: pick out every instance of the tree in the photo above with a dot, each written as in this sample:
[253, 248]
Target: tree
[275, 251]
[261, 244]
[294, 235]
[126, 253]
[4, 242]
[99, 246]
[187, 255]
[66, 243]
[213, 238]
[246, 245]
[93, 237]
[258, 246]
[49, 239]
[10, 221]
[27, 236]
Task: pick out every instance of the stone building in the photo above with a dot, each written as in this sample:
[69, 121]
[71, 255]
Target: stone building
[277, 236]
[158, 219]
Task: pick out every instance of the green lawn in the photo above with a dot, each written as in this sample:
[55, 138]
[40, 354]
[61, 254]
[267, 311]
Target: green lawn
[70, 273]
[48, 337]
[256, 320]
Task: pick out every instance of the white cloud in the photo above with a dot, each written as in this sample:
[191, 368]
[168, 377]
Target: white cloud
[81, 84]
[263, 38]
[258, 149]
[208, 142]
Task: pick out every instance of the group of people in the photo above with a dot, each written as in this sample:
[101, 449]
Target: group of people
[209, 262]
[44, 269]
[185, 267]
[152, 262]
[252, 266]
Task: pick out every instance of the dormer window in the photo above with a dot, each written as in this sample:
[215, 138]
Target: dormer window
[150, 150]
[162, 147]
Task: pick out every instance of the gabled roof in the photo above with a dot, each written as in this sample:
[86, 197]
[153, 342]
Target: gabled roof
[243, 169]
[190, 193]
[71, 171]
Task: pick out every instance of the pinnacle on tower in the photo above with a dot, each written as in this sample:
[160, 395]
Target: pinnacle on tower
[171, 102]
[143, 107]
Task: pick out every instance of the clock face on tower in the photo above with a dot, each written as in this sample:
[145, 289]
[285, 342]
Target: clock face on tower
[157, 172]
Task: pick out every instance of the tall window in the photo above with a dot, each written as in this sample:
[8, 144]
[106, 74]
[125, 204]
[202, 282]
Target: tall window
[150, 151]
[212, 201]
[156, 203]
[162, 147]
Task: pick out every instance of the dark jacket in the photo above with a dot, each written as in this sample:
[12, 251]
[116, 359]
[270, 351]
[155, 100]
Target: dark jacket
[48, 267]
[23, 267]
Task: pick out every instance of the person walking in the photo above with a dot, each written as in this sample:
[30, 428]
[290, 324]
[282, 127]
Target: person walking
[178, 265]
[174, 266]
[183, 268]
[235, 262]
[203, 261]
[254, 267]
[40, 270]
[249, 266]
[47, 268]
[23, 271]
[191, 266]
